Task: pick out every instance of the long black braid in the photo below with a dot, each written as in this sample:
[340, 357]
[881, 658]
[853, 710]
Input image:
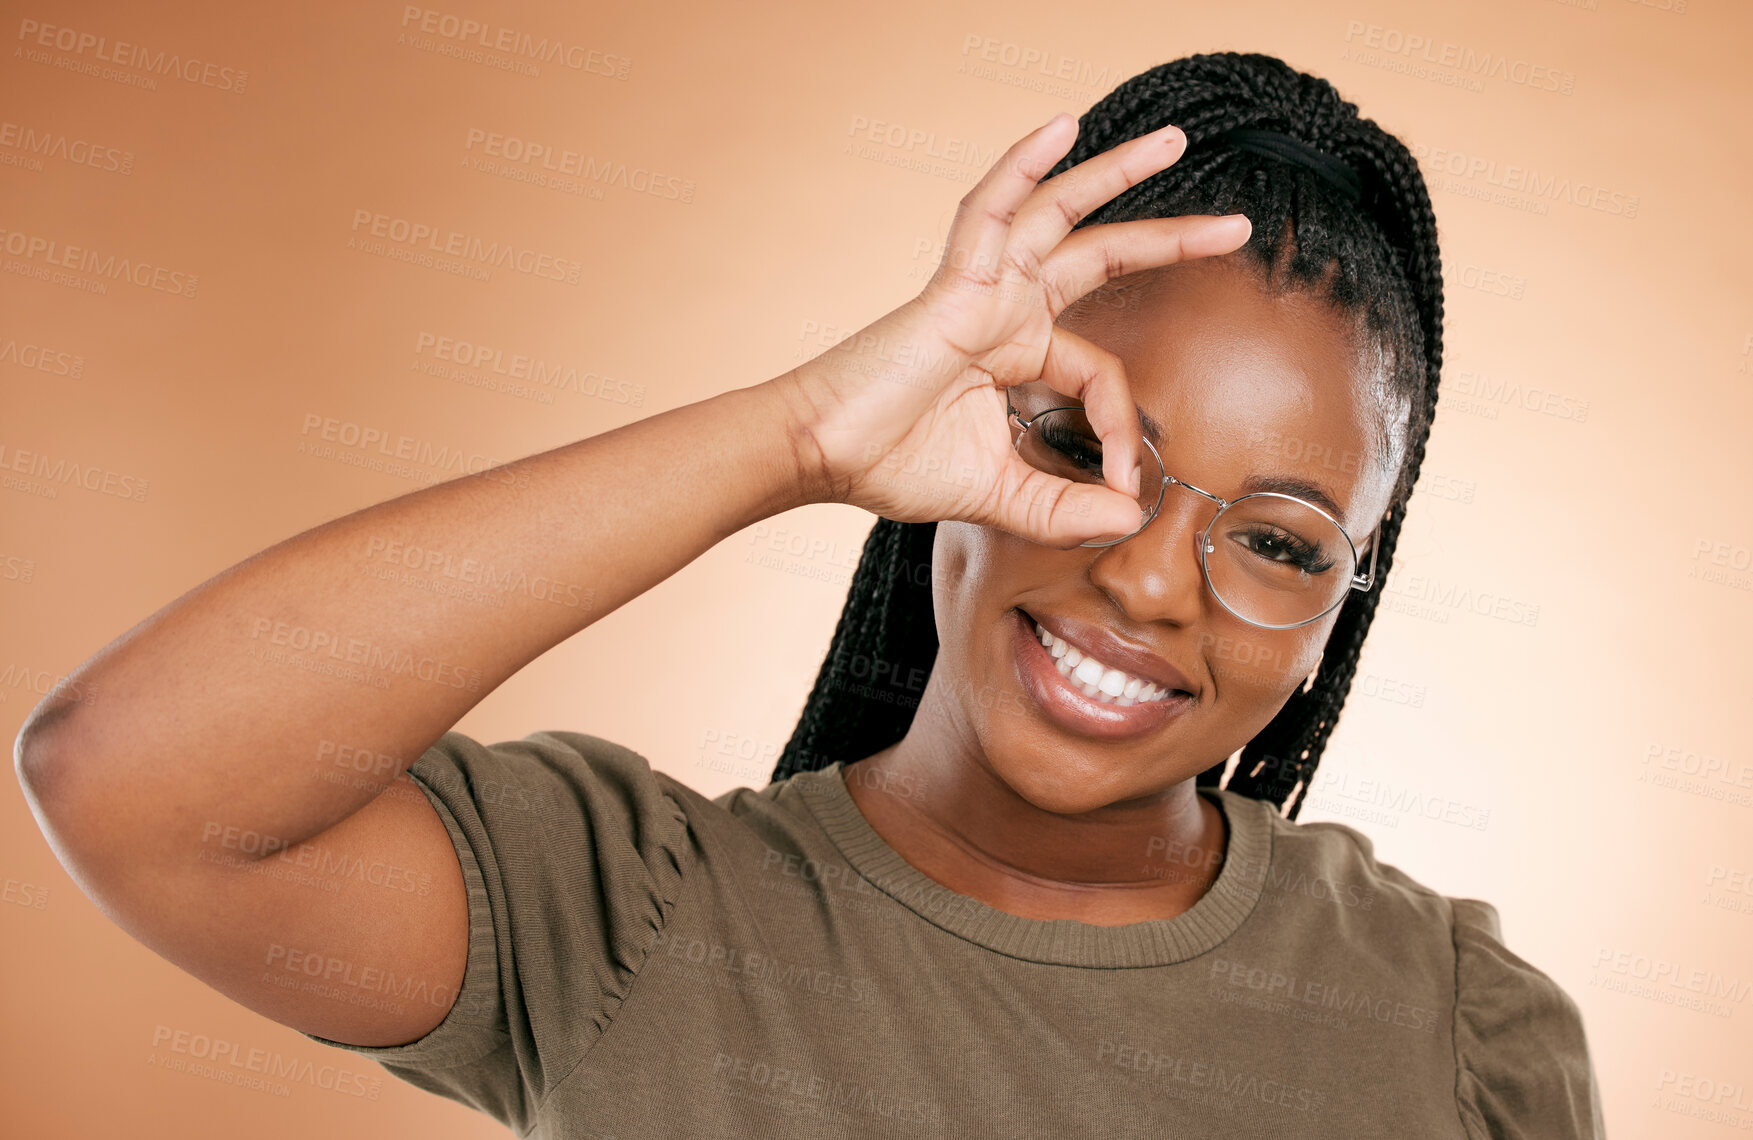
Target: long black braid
[1388, 277]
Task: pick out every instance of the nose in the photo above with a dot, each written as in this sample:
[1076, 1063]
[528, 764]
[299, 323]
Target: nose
[1155, 575]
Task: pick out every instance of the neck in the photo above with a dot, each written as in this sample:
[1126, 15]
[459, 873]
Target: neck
[937, 798]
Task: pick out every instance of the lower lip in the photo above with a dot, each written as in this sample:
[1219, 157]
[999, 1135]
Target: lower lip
[1067, 706]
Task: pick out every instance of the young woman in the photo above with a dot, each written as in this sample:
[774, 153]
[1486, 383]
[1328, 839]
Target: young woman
[1140, 452]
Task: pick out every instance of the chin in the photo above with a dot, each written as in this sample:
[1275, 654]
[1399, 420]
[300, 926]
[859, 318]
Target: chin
[1059, 787]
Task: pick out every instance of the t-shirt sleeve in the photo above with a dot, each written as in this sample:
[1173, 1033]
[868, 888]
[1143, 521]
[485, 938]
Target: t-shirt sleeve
[1522, 1054]
[572, 856]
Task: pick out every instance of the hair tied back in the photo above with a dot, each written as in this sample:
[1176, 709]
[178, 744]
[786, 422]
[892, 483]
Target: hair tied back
[1276, 144]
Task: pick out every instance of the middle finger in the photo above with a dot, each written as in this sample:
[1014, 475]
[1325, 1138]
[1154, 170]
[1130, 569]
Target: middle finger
[1096, 255]
[1055, 207]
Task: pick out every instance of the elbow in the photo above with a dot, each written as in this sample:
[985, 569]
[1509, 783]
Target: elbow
[29, 753]
[35, 752]
[62, 795]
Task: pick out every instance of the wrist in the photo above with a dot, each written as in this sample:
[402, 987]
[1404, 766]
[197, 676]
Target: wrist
[795, 408]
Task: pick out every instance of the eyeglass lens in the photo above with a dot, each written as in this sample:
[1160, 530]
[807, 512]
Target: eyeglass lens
[1274, 559]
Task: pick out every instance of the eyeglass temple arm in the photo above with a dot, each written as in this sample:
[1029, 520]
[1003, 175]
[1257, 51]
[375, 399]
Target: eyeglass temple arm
[1368, 578]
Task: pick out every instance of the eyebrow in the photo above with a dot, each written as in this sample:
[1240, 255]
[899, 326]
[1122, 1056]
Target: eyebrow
[1284, 484]
[1150, 427]
[1290, 485]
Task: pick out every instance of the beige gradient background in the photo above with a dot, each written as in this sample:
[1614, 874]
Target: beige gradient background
[1589, 467]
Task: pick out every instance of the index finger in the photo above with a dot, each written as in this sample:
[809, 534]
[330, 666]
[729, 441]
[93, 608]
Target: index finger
[1078, 368]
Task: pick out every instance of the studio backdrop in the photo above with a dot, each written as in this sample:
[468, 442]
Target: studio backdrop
[256, 277]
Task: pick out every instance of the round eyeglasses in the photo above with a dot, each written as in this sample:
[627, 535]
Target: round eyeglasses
[1271, 559]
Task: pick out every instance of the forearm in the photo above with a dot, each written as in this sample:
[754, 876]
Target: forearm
[348, 649]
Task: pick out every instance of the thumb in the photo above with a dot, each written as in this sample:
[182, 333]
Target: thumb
[1064, 514]
[1093, 512]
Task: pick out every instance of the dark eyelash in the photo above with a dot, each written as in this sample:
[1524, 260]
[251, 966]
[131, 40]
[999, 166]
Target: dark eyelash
[1069, 442]
[1302, 554]
[1077, 446]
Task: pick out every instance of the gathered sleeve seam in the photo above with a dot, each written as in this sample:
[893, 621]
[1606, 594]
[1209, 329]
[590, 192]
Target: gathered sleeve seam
[668, 902]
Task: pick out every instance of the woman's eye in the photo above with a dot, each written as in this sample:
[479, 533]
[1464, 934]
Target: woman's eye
[1078, 448]
[1290, 550]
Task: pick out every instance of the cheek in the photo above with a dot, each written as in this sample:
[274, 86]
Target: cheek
[950, 558]
[1251, 662]
[970, 565]
[977, 573]
[956, 558]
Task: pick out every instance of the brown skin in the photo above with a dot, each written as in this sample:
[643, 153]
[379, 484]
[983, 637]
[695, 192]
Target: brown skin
[199, 736]
[1035, 821]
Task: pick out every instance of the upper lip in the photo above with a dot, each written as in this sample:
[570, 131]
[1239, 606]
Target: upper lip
[1111, 649]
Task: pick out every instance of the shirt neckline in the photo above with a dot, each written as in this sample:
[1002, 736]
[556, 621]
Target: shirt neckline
[1058, 941]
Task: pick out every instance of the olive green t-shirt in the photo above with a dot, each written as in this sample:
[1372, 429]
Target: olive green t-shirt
[646, 962]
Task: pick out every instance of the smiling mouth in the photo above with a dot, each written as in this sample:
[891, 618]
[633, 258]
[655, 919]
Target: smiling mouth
[1065, 701]
[1096, 679]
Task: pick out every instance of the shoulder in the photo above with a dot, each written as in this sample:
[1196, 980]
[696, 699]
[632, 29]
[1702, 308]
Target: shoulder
[1328, 862]
[1521, 1052]
[531, 772]
[573, 781]
[557, 774]
[560, 807]
[1520, 1043]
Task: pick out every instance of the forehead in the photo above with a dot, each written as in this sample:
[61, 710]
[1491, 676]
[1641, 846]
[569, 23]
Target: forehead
[1246, 382]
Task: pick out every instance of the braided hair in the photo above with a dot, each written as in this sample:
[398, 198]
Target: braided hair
[1377, 260]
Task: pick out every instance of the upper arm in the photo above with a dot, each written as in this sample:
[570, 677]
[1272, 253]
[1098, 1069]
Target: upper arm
[574, 854]
[359, 934]
[474, 928]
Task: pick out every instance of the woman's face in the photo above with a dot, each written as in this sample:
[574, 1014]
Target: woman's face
[1244, 383]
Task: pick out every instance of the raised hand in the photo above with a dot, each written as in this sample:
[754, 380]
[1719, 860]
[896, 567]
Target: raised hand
[907, 418]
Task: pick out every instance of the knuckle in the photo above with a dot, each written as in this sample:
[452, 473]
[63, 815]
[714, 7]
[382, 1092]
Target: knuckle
[1058, 298]
[1003, 219]
[1067, 211]
[1024, 260]
[1032, 167]
[1113, 262]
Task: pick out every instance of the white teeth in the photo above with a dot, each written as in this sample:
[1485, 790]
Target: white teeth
[1096, 680]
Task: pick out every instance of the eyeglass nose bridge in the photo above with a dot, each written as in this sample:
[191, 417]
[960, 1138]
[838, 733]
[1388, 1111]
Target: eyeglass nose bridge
[1171, 481]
